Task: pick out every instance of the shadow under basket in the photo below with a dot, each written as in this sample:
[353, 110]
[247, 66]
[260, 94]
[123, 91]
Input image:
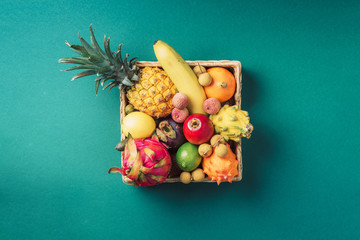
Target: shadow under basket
[235, 68]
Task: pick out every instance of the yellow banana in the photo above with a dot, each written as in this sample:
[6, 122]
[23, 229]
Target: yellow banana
[182, 75]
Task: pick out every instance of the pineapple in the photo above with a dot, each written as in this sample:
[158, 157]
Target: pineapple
[149, 89]
[153, 93]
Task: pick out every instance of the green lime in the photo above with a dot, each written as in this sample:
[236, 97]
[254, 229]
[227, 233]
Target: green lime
[187, 157]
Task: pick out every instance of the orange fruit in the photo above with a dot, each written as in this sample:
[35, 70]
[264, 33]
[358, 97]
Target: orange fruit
[223, 84]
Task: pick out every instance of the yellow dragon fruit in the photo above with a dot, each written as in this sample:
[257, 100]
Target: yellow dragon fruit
[232, 123]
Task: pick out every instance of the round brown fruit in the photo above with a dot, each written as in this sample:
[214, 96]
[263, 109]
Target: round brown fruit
[198, 69]
[185, 177]
[205, 79]
[221, 150]
[198, 175]
[216, 140]
[205, 150]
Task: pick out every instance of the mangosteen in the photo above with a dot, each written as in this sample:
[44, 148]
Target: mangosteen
[170, 133]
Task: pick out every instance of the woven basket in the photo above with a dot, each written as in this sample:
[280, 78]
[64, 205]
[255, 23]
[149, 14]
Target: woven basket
[232, 66]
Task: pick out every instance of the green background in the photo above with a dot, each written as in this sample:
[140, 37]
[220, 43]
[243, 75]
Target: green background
[301, 71]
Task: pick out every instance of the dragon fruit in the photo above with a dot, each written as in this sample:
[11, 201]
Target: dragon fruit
[145, 162]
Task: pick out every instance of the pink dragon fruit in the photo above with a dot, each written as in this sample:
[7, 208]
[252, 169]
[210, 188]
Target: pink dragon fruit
[146, 162]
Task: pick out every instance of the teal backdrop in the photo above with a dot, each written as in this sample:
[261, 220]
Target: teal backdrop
[301, 71]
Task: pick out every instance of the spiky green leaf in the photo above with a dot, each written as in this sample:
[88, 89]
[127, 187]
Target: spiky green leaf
[107, 49]
[97, 84]
[105, 69]
[126, 66]
[106, 79]
[89, 49]
[82, 67]
[76, 60]
[135, 78]
[127, 82]
[95, 44]
[112, 86]
[99, 78]
[118, 58]
[84, 74]
[95, 59]
[122, 87]
[106, 64]
[78, 49]
[109, 84]
[133, 60]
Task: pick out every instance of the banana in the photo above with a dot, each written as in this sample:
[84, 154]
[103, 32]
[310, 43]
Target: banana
[182, 75]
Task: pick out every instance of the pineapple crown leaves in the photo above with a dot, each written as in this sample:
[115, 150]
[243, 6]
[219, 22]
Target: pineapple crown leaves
[107, 65]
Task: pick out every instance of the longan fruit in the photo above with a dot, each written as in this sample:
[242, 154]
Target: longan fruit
[205, 79]
[205, 150]
[185, 177]
[216, 140]
[199, 70]
[198, 175]
[221, 150]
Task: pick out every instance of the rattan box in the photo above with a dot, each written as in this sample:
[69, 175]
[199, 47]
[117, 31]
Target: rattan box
[232, 66]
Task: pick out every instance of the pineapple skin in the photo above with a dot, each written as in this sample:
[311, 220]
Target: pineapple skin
[153, 93]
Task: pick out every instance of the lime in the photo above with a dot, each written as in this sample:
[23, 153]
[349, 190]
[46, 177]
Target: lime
[187, 157]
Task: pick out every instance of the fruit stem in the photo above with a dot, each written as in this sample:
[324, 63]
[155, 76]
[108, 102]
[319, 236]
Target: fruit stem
[195, 123]
[200, 68]
[223, 84]
[121, 145]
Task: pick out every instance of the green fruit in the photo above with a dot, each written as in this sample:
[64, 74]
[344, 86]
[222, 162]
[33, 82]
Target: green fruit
[129, 108]
[187, 157]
